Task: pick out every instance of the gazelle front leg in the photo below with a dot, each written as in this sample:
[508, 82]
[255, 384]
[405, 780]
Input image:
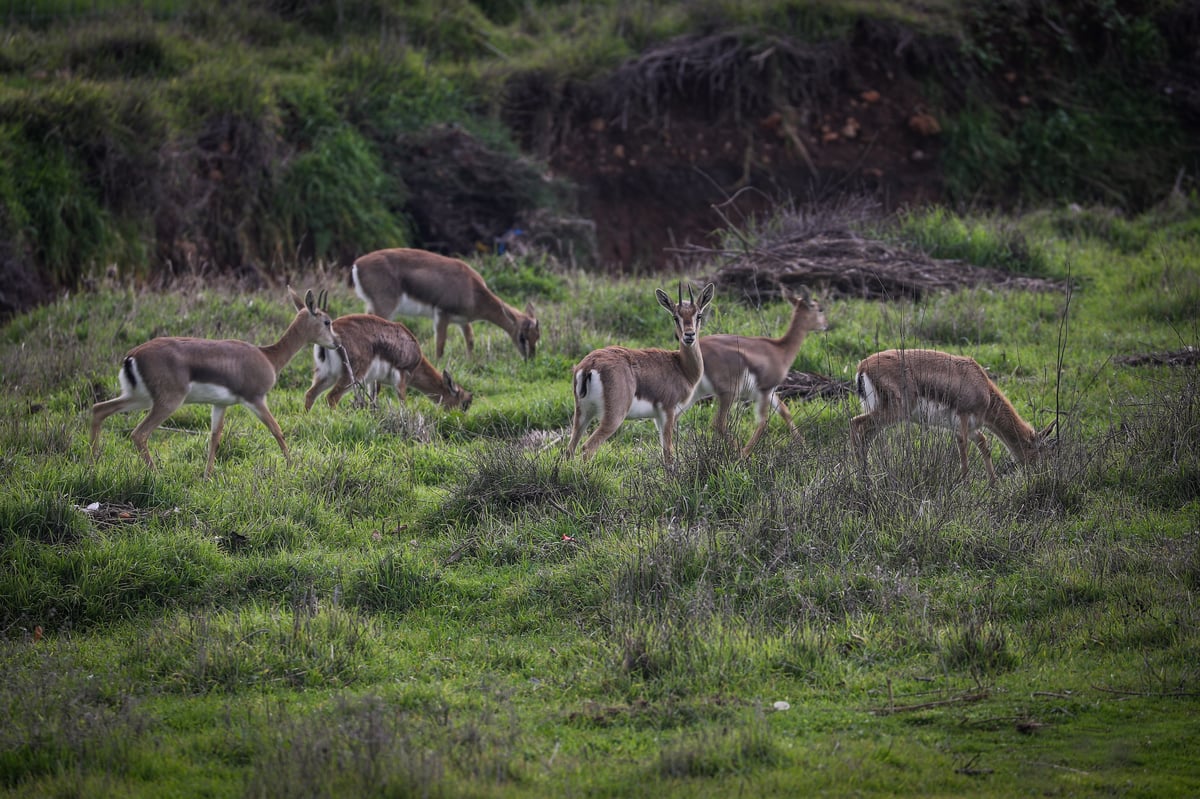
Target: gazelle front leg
[469, 337]
[440, 325]
[666, 428]
[262, 412]
[985, 450]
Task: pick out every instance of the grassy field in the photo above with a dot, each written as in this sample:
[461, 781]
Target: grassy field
[438, 604]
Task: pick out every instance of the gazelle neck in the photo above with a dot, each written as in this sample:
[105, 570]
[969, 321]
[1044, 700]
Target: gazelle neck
[290, 343]
[691, 360]
[1017, 435]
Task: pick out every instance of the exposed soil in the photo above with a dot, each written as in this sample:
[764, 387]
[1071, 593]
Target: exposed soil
[703, 133]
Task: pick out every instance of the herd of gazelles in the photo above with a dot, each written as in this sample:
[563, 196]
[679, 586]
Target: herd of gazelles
[610, 384]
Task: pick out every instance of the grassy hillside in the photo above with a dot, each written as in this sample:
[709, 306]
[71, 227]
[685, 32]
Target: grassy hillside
[164, 139]
[438, 604]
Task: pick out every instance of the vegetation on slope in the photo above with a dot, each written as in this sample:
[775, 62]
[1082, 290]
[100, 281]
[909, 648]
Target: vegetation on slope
[437, 604]
[159, 139]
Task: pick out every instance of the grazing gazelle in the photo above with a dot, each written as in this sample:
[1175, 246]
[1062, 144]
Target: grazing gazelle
[375, 351]
[422, 283]
[936, 388]
[616, 383]
[750, 368]
[166, 372]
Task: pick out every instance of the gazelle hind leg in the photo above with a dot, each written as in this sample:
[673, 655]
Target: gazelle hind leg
[602, 433]
[103, 410]
[762, 416]
[158, 414]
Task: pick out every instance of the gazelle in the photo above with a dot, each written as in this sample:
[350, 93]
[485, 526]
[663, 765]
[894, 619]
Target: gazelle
[166, 372]
[374, 351]
[936, 388]
[750, 368]
[422, 283]
[616, 383]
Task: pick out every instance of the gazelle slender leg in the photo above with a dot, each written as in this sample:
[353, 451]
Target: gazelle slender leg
[985, 450]
[721, 419]
[863, 429]
[762, 414]
[579, 423]
[781, 406]
[339, 390]
[601, 434]
[666, 431]
[469, 337]
[964, 433]
[262, 412]
[103, 410]
[218, 425]
[440, 324]
[159, 412]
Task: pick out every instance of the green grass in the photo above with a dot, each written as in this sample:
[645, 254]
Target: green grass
[437, 604]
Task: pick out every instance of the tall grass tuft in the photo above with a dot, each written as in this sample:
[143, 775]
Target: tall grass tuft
[507, 479]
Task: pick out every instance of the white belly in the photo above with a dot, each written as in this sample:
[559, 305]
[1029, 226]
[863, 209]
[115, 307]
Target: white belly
[642, 409]
[380, 371]
[407, 306]
[746, 388]
[410, 306]
[938, 414]
[211, 394]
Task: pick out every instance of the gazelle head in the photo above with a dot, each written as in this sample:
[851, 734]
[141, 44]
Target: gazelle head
[813, 316]
[313, 318]
[688, 316]
[528, 333]
[456, 396]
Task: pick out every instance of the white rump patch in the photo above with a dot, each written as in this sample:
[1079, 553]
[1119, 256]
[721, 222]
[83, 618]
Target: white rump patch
[136, 392]
[327, 364]
[593, 402]
[358, 289]
[869, 396]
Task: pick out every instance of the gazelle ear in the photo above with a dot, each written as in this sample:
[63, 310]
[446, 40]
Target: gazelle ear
[295, 299]
[664, 300]
[1049, 430]
[310, 302]
[448, 380]
[529, 309]
[707, 294]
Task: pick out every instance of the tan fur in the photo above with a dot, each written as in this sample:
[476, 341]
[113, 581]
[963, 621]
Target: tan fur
[170, 368]
[367, 339]
[904, 384]
[452, 290]
[752, 367]
[663, 380]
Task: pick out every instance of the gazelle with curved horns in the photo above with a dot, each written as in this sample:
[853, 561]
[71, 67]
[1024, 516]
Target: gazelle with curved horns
[750, 368]
[422, 283]
[617, 383]
[166, 372]
[929, 387]
[373, 351]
